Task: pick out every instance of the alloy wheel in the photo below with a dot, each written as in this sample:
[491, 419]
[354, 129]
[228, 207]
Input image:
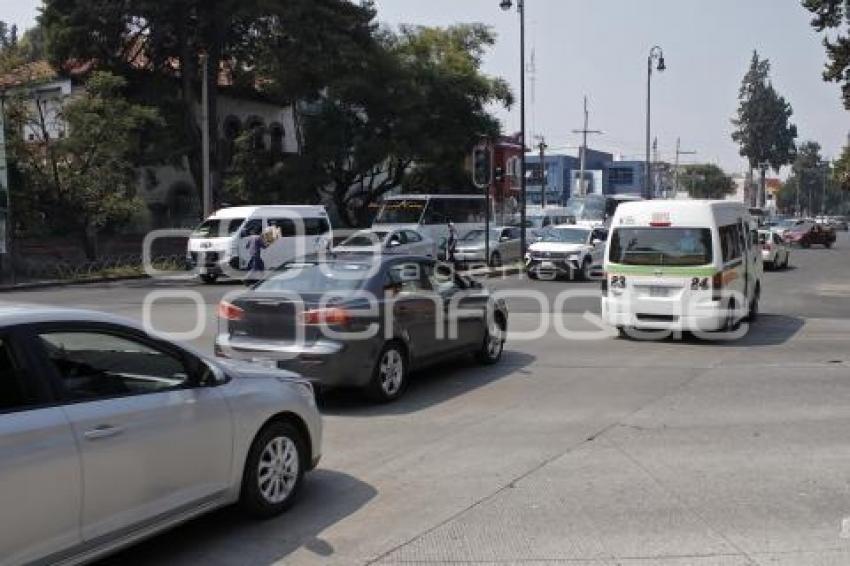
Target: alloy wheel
[278, 469]
[391, 372]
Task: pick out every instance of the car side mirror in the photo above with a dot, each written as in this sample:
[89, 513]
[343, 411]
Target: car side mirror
[208, 374]
[393, 244]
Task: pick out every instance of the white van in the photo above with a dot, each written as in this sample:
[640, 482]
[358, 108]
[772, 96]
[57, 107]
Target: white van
[681, 266]
[220, 244]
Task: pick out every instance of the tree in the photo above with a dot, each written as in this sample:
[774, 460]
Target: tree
[80, 165]
[408, 118]
[802, 191]
[762, 124]
[707, 181]
[832, 14]
[158, 46]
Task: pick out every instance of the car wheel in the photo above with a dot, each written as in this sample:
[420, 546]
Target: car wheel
[753, 314]
[828, 245]
[532, 274]
[494, 344]
[389, 378]
[208, 278]
[731, 325]
[584, 274]
[495, 260]
[274, 471]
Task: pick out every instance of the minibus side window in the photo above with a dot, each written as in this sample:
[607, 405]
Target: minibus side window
[731, 242]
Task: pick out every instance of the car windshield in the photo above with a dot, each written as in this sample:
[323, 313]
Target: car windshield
[365, 239]
[661, 246]
[802, 228]
[406, 211]
[318, 277]
[565, 235]
[764, 237]
[478, 236]
[218, 228]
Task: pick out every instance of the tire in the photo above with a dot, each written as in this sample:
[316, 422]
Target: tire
[495, 260]
[753, 313]
[208, 278]
[532, 274]
[828, 245]
[390, 376]
[274, 471]
[584, 274]
[731, 325]
[491, 349]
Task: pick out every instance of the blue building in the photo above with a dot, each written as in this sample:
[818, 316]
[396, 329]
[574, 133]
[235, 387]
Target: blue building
[561, 171]
[624, 177]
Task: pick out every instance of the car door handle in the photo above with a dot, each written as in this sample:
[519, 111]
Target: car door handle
[103, 431]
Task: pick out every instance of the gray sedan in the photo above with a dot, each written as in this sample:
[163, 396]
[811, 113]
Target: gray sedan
[363, 321]
[504, 247]
[109, 434]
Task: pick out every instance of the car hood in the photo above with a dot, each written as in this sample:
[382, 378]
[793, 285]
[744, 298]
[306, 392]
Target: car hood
[556, 247]
[247, 370]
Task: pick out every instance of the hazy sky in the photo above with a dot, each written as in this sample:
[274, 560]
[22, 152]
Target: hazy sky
[599, 48]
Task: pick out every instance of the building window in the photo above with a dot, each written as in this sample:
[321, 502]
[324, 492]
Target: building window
[621, 176]
[258, 132]
[276, 138]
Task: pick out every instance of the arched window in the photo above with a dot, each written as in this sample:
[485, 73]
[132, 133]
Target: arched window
[231, 129]
[258, 132]
[276, 134]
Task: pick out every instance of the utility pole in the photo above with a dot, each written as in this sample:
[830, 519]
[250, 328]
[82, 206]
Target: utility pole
[205, 137]
[6, 231]
[680, 152]
[823, 200]
[584, 132]
[542, 147]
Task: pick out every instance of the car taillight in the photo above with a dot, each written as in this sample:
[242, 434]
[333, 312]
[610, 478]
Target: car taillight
[717, 286]
[337, 316]
[229, 311]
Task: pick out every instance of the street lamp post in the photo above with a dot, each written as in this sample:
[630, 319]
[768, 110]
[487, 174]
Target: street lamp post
[655, 54]
[520, 6]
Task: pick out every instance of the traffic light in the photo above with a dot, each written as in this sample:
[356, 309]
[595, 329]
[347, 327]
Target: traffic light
[482, 167]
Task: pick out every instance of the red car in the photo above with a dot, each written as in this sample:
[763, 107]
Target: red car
[810, 234]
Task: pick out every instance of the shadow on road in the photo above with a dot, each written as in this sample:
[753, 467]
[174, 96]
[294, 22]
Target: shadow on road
[768, 330]
[429, 387]
[228, 537]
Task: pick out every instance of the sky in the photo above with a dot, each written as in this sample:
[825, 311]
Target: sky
[598, 48]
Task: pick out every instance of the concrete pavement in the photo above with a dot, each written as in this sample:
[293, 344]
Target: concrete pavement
[598, 452]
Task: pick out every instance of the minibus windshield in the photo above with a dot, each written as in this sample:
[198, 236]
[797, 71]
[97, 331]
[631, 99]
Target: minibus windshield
[661, 246]
[218, 228]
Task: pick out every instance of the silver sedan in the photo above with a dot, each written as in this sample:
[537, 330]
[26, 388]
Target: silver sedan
[109, 434]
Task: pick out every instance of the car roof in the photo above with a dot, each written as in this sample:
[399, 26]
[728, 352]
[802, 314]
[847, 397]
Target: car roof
[360, 257]
[19, 313]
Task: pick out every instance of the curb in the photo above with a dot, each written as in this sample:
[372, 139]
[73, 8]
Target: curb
[71, 283]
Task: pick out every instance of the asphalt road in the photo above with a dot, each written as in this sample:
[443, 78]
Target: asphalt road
[600, 451]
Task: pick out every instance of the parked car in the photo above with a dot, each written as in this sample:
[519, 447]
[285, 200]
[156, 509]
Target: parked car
[839, 223]
[109, 434]
[363, 321]
[810, 234]
[571, 251]
[400, 241]
[774, 252]
[504, 246]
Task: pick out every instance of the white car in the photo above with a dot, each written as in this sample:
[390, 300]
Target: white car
[109, 434]
[774, 250]
[399, 241]
[566, 250]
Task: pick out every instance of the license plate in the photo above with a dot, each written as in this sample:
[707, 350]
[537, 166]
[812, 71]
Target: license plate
[547, 265]
[658, 291]
[203, 270]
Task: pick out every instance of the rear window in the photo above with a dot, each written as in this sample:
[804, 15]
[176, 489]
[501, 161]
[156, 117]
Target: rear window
[218, 228]
[319, 277]
[661, 246]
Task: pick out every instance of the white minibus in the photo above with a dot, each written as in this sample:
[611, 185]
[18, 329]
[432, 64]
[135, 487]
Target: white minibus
[219, 245]
[430, 214]
[681, 266]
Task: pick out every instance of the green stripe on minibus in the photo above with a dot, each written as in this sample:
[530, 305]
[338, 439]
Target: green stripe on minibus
[660, 270]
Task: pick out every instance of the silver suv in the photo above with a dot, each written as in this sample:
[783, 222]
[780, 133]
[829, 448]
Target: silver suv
[109, 434]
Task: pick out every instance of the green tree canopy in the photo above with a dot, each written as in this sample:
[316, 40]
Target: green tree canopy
[833, 15]
[762, 124]
[706, 181]
[83, 177]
